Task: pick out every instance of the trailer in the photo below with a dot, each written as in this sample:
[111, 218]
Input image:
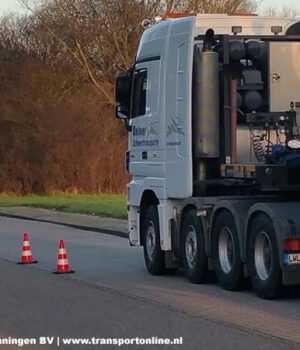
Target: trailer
[212, 109]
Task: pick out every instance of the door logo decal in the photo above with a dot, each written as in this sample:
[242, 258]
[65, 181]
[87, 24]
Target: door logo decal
[175, 127]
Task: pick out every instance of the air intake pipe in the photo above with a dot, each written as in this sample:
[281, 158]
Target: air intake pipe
[206, 102]
[208, 40]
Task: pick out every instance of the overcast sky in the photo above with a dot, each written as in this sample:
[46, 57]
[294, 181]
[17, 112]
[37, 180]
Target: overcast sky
[280, 3]
[9, 5]
[13, 5]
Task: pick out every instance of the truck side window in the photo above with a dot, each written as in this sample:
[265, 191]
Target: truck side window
[139, 93]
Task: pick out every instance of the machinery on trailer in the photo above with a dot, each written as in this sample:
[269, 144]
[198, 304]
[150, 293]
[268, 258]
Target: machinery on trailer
[212, 107]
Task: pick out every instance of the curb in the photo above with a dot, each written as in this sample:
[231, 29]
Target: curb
[106, 231]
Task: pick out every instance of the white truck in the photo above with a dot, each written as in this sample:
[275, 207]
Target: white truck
[212, 107]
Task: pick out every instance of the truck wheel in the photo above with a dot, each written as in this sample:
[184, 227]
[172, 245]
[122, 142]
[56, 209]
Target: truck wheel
[153, 255]
[263, 258]
[226, 253]
[193, 248]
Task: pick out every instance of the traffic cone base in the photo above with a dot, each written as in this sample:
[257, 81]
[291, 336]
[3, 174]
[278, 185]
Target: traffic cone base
[27, 262]
[26, 257]
[63, 266]
[63, 272]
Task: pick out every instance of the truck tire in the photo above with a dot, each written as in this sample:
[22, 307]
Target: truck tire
[226, 252]
[193, 248]
[153, 255]
[263, 258]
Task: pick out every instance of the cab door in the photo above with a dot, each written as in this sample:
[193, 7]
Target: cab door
[145, 136]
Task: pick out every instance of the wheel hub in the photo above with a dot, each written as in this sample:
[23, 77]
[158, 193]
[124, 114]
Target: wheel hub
[191, 247]
[263, 256]
[150, 240]
[226, 249]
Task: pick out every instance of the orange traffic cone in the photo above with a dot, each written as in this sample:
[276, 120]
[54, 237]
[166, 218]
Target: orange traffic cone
[27, 257]
[63, 262]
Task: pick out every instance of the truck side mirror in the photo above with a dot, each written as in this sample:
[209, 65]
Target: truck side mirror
[121, 113]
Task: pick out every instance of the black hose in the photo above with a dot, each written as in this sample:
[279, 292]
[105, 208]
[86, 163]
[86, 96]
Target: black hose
[258, 149]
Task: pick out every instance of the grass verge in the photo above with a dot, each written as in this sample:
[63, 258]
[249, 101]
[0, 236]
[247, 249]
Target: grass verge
[104, 205]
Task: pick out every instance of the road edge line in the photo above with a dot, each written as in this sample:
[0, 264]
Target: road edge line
[105, 231]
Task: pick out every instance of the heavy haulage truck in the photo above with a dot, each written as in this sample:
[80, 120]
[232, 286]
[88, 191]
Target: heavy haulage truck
[212, 106]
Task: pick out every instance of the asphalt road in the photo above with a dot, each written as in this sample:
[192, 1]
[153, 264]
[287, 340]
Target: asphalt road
[112, 295]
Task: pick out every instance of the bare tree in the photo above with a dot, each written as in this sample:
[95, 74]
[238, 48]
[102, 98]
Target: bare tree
[58, 65]
[101, 36]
